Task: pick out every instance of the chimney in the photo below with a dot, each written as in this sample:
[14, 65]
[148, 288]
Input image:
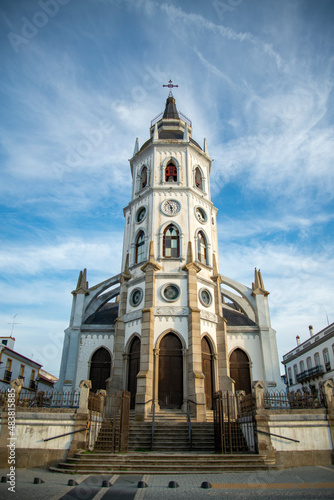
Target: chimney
[311, 330]
[298, 340]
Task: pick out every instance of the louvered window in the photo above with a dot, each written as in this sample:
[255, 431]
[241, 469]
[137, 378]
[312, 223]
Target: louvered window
[171, 173]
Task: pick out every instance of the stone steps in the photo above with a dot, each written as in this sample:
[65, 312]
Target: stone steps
[104, 463]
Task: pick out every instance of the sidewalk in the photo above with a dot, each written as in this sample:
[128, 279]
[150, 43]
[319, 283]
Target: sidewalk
[300, 482]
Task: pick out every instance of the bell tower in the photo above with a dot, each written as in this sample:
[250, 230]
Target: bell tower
[170, 283]
[170, 328]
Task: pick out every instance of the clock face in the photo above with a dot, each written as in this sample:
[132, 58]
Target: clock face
[170, 207]
[200, 214]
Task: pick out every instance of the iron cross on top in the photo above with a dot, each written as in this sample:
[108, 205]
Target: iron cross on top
[170, 85]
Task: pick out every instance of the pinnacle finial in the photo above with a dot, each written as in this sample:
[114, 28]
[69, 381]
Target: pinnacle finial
[136, 148]
[189, 253]
[82, 285]
[258, 286]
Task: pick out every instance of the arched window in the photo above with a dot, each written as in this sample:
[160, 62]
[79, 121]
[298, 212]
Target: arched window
[295, 371]
[301, 366]
[198, 179]
[317, 359]
[201, 248]
[326, 360]
[143, 178]
[171, 173]
[171, 242]
[140, 248]
[309, 363]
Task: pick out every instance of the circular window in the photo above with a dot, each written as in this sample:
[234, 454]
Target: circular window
[171, 292]
[205, 297]
[200, 214]
[141, 214]
[136, 297]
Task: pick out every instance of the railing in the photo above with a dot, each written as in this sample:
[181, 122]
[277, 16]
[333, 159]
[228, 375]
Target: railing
[190, 432]
[152, 430]
[50, 399]
[277, 400]
[7, 376]
[234, 423]
[181, 115]
[310, 373]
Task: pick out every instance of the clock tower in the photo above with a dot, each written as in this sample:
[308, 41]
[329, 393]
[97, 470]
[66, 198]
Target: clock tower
[170, 304]
[170, 328]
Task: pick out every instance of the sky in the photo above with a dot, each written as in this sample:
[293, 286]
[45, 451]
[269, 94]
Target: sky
[81, 79]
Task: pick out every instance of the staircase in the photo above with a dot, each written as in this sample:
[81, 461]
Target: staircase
[171, 450]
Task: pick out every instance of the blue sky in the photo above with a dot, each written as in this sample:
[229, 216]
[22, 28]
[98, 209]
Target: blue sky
[81, 79]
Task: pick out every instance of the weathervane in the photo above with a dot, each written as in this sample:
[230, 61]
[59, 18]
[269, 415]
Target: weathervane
[170, 86]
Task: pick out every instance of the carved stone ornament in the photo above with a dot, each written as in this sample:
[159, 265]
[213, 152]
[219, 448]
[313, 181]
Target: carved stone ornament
[171, 311]
[208, 316]
[132, 316]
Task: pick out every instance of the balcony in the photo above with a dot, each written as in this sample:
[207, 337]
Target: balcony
[314, 372]
[7, 376]
[32, 384]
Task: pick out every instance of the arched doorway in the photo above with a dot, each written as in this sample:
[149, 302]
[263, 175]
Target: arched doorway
[207, 368]
[100, 369]
[239, 371]
[170, 372]
[134, 367]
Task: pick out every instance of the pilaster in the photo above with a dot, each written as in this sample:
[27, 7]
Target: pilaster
[145, 390]
[196, 390]
[116, 380]
[225, 383]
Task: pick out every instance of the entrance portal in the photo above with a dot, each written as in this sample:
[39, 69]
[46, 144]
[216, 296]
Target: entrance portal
[134, 367]
[207, 371]
[170, 372]
[239, 371]
[100, 369]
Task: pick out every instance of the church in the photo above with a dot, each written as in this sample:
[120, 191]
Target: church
[170, 328]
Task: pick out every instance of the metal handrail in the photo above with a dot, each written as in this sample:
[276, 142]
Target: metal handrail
[277, 435]
[152, 432]
[189, 427]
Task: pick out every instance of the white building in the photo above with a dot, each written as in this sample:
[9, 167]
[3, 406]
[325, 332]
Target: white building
[311, 362]
[14, 365]
[170, 328]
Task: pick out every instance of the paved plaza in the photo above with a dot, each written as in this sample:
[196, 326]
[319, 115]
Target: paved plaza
[299, 482]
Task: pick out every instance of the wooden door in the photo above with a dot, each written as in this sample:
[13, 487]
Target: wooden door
[239, 371]
[100, 369]
[170, 372]
[134, 367]
[207, 368]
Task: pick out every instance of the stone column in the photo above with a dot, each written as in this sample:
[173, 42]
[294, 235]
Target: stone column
[17, 385]
[262, 420]
[144, 396]
[85, 386]
[329, 400]
[115, 382]
[196, 390]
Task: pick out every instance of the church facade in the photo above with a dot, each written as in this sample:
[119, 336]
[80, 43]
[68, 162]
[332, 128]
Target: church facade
[170, 328]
